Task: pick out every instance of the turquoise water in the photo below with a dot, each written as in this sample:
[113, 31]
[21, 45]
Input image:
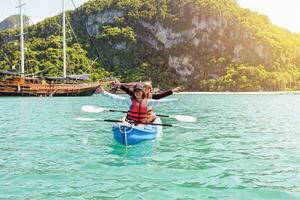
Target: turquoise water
[242, 147]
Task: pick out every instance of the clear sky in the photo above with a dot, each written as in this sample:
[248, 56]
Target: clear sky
[284, 13]
[37, 10]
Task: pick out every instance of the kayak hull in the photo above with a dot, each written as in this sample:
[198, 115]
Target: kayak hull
[129, 134]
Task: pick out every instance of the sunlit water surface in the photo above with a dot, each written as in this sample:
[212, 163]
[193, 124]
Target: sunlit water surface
[241, 147]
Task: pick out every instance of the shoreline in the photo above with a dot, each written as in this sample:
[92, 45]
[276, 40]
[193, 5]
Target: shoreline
[248, 93]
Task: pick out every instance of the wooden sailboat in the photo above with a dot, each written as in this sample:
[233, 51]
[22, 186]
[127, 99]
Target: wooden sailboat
[14, 83]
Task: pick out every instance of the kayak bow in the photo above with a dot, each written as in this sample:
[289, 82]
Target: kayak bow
[130, 134]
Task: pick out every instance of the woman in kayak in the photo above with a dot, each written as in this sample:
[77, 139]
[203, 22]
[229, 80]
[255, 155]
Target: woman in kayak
[138, 104]
[148, 90]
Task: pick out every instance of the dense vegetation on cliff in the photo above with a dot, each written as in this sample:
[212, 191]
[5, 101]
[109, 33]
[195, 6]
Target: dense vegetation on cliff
[210, 45]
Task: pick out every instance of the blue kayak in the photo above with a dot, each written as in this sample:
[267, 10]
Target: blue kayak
[129, 134]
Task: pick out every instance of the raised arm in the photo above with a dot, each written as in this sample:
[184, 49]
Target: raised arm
[165, 94]
[162, 95]
[116, 98]
[127, 90]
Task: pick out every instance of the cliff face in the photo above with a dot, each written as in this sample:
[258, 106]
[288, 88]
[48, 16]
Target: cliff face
[198, 42]
[13, 22]
[202, 44]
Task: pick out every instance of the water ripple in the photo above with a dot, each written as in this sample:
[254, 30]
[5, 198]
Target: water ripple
[242, 146]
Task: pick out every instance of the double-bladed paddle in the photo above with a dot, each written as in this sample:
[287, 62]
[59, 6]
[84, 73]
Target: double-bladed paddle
[114, 121]
[95, 109]
[120, 121]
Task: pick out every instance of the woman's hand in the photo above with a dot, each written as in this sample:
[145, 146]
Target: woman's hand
[177, 89]
[115, 85]
[99, 90]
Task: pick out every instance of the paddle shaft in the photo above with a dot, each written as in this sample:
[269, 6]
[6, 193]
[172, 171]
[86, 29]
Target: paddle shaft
[155, 124]
[122, 111]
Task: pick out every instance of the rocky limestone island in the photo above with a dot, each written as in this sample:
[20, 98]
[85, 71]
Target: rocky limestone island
[13, 22]
[203, 45]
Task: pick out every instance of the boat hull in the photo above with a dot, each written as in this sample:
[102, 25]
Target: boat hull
[63, 94]
[128, 134]
[19, 87]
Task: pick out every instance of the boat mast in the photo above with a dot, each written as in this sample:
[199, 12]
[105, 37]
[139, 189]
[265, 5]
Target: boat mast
[22, 37]
[64, 39]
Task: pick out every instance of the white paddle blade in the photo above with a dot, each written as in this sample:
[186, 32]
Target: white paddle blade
[92, 109]
[185, 118]
[85, 119]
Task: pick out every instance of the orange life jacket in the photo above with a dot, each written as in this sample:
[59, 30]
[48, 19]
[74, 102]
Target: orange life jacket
[137, 112]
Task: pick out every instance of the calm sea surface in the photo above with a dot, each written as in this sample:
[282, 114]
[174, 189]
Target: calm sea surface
[241, 147]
